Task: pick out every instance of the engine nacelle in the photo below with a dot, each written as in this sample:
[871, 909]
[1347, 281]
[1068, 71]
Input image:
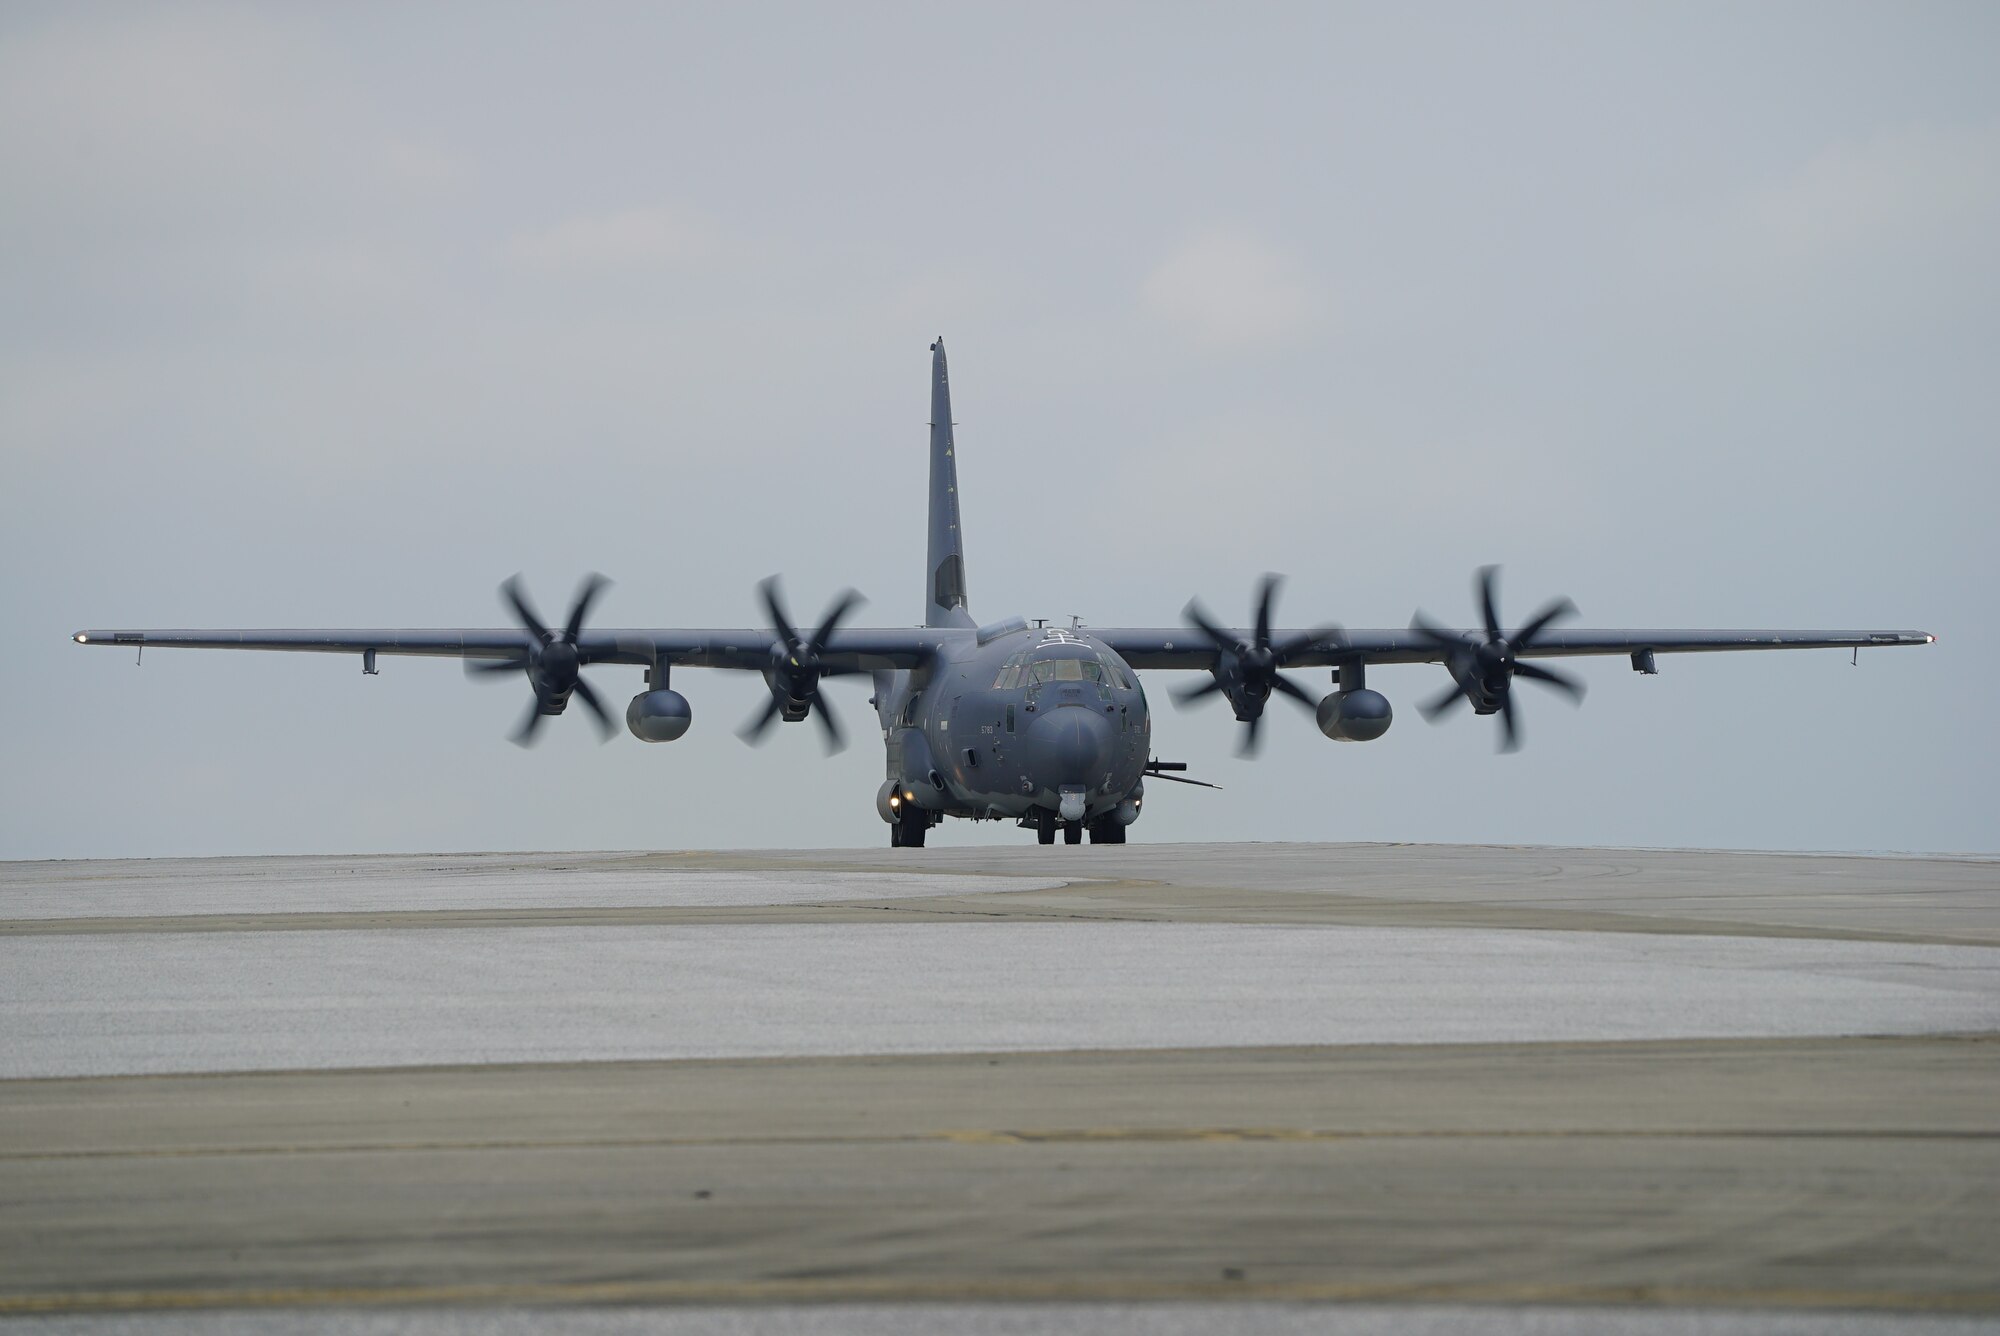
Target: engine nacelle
[922, 783]
[889, 801]
[658, 716]
[1360, 715]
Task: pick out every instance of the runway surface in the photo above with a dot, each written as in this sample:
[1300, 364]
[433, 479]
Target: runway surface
[1271, 1088]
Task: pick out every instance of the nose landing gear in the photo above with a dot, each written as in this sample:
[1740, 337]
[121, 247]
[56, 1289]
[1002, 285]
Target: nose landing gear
[1104, 830]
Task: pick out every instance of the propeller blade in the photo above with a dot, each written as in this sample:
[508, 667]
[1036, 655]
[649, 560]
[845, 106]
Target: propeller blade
[1433, 708]
[518, 601]
[604, 725]
[752, 731]
[774, 607]
[822, 710]
[1267, 590]
[1250, 738]
[1434, 633]
[1560, 681]
[1488, 576]
[1510, 732]
[1191, 694]
[593, 584]
[1305, 640]
[524, 736]
[1558, 607]
[480, 667]
[1197, 616]
[848, 601]
[1285, 684]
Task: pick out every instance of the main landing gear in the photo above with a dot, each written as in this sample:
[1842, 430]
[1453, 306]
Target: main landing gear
[907, 831]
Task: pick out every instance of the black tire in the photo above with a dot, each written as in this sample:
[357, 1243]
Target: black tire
[1045, 827]
[912, 832]
[1106, 832]
[896, 835]
[1072, 834]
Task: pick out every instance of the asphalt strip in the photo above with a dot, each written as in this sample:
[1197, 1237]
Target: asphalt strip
[191, 1002]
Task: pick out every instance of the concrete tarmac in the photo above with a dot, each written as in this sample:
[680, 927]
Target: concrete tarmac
[1809, 1124]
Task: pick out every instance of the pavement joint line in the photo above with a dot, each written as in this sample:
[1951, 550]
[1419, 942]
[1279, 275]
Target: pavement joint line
[1261, 906]
[1014, 1289]
[1359, 1049]
[1276, 913]
[1022, 1137]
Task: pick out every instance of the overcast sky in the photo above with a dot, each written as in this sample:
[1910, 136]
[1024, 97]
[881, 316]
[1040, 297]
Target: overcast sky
[338, 315]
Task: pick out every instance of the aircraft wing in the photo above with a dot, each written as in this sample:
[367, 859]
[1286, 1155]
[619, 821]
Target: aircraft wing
[856, 650]
[1183, 647]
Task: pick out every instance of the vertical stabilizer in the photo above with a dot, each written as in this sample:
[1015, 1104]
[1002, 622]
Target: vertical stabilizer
[945, 596]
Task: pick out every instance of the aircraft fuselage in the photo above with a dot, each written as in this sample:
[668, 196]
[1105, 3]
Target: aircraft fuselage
[1039, 723]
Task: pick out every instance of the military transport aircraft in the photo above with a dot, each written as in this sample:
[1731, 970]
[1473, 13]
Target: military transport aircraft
[1045, 726]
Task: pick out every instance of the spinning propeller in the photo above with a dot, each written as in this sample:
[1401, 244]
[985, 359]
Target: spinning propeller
[1483, 671]
[796, 668]
[552, 661]
[1247, 672]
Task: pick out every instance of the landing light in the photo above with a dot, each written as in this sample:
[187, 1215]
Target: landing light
[82, 639]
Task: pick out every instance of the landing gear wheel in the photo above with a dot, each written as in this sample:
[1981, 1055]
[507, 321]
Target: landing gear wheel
[1045, 827]
[1106, 832]
[909, 832]
[1072, 834]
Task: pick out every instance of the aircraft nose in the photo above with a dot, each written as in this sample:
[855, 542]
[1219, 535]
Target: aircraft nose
[1075, 743]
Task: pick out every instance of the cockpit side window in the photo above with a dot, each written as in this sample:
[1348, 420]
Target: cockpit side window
[1011, 673]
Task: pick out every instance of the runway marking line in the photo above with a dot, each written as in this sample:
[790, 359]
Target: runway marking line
[1029, 1137]
[1017, 1289]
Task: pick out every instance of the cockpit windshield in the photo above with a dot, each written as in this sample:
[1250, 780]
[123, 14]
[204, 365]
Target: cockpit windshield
[1065, 670]
[1029, 668]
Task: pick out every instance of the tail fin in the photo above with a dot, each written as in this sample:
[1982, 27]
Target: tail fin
[945, 605]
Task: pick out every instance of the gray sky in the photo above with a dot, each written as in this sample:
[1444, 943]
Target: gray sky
[338, 315]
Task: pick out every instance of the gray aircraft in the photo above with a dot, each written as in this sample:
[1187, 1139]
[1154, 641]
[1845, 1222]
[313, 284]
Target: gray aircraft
[1044, 726]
